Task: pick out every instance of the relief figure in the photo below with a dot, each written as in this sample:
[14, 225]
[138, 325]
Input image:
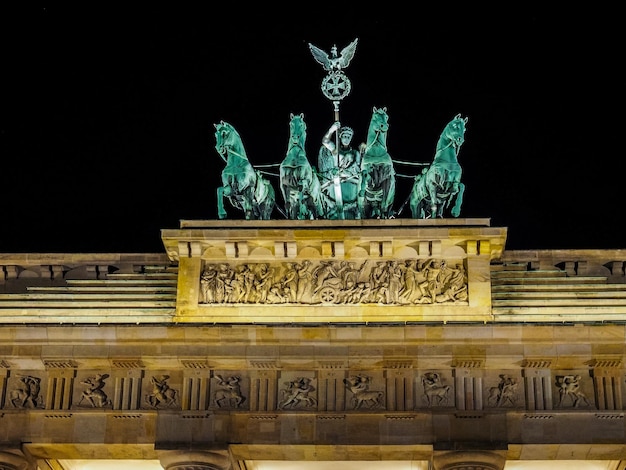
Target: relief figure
[94, 393]
[362, 396]
[26, 394]
[230, 394]
[505, 392]
[435, 392]
[161, 393]
[296, 393]
[569, 387]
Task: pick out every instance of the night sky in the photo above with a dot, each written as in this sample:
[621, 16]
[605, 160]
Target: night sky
[106, 119]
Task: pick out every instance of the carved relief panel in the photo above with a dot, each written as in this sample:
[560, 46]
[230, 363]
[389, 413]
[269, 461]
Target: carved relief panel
[436, 389]
[298, 391]
[161, 390]
[573, 389]
[330, 387]
[93, 390]
[345, 282]
[25, 390]
[365, 390]
[505, 391]
[230, 390]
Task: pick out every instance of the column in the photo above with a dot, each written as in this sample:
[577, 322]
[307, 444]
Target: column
[14, 461]
[194, 460]
[468, 460]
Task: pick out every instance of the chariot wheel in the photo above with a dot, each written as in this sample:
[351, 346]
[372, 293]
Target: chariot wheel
[328, 295]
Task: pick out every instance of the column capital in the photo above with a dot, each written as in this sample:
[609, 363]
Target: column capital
[468, 460]
[194, 460]
[14, 461]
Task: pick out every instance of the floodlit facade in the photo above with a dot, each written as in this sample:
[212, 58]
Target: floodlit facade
[273, 345]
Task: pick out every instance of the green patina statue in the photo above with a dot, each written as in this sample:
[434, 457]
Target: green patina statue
[339, 166]
[348, 183]
[299, 183]
[440, 184]
[378, 184]
[245, 188]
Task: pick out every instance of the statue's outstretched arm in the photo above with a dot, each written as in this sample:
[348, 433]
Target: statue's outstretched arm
[327, 141]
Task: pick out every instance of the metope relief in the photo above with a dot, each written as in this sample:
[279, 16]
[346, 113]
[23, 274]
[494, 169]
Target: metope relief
[93, 393]
[297, 394]
[362, 396]
[570, 391]
[228, 392]
[390, 282]
[436, 393]
[505, 393]
[161, 395]
[26, 393]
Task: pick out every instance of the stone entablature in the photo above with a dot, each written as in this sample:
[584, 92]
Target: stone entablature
[315, 369]
[333, 271]
[266, 387]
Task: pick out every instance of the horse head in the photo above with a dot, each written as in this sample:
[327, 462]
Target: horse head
[378, 182]
[227, 141]
[380, 119]
[440, 184]
[379, 125]
[454, 132]
[297, 131]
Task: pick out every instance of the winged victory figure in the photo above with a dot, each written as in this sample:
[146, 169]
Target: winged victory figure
[333, 62]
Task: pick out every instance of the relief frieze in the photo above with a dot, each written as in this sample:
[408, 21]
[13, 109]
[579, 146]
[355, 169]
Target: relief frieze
[308, 390]
[391, 282]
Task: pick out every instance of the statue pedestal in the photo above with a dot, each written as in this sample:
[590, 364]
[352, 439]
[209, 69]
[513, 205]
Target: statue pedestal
[393, 270]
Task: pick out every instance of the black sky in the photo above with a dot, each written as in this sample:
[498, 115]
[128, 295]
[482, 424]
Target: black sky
[106, 130]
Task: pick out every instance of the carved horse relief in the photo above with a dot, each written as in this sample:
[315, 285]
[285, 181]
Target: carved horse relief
[229, 395]
[26, 394]
[362, 396]
[93, 392]
[161, 393]
[435, 392]
[297, 393]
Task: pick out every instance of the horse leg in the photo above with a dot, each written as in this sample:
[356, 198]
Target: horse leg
[431, 190]
[390, 193]
[361, 199]
[221, 211]
[247, 203]
[456, 210]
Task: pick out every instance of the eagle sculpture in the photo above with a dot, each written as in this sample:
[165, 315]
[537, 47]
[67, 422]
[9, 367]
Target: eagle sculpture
[333, 62]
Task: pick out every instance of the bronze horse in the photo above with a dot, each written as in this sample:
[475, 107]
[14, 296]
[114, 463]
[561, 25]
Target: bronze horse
[378, 183]
[299, 183]
[440, 183]
[245, 188]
